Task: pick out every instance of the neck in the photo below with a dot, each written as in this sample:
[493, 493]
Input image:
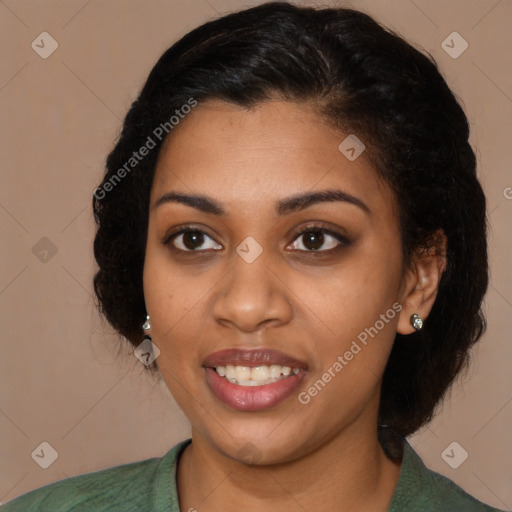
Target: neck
[348, 472]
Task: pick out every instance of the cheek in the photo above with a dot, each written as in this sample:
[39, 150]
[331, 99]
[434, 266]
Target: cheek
[352, 295]
[354, 313]
[170, 291]
[177, 300]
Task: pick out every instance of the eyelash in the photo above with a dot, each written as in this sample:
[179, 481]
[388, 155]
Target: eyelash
[343, 240]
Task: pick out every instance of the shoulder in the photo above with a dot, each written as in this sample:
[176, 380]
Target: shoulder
[125, 488]
[92, 491]
[421, 490]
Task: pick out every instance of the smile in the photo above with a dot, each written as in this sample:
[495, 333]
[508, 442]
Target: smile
[253, 379]
[255, 376]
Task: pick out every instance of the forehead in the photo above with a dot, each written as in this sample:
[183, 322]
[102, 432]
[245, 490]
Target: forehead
[270, 151]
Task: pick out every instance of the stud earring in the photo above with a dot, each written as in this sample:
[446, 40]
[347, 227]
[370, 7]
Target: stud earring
[146, 325]
[417, 322]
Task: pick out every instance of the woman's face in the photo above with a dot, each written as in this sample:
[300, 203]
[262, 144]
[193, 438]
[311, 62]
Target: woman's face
[243, 279]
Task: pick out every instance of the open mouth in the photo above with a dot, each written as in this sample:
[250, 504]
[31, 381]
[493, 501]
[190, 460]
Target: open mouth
[256, 375]
[253, 379]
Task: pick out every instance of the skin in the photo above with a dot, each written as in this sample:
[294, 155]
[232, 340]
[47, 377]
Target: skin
[309, 304]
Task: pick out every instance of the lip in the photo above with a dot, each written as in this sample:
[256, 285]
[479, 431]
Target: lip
[252, 398]
[252, 357]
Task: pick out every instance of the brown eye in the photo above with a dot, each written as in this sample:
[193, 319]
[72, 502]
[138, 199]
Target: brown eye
[318, 239]
[193, 240]
[313, 240]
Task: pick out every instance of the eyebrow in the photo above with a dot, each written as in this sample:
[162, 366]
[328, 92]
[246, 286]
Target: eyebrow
[283, 207]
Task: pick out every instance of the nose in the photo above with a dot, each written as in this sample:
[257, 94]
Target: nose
[253, 296]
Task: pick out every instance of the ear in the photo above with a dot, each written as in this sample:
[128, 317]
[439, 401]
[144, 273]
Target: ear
[421, 282]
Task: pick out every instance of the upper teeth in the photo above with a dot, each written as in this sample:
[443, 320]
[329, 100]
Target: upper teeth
[255, 376]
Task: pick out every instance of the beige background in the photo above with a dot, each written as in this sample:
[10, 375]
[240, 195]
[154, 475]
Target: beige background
[63, 380]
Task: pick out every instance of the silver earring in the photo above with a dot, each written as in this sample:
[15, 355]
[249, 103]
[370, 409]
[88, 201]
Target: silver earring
[417, 322]
[146, 325]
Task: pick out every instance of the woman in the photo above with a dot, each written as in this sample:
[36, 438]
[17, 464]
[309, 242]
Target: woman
[291, 222]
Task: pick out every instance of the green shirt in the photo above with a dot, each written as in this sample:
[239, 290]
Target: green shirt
[150, 486]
